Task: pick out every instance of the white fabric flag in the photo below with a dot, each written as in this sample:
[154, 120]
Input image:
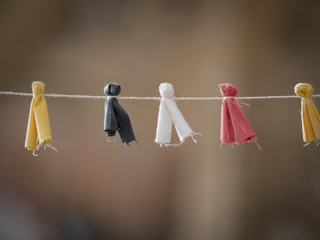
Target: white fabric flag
[168, 113]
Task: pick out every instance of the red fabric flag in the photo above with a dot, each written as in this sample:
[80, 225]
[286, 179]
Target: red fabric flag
[234, 125]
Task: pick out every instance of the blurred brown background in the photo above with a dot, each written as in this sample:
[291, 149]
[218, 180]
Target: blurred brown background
[92, 189]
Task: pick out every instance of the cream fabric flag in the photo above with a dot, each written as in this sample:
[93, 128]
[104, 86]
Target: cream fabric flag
[168, 114]
[309, 113]
[38, 124]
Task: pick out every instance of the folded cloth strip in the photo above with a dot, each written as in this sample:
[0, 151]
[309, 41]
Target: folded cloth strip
[169, 113]
[116, 118]
[309, 114]
[38, 124]
[234, 125]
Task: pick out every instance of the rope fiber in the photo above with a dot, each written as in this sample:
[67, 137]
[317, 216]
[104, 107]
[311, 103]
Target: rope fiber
[54, 95]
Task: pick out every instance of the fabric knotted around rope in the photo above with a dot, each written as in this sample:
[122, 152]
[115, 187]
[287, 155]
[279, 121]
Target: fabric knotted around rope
[234, 125]
[309, 114]
[116, 118]
[38, 124]
[168, 114]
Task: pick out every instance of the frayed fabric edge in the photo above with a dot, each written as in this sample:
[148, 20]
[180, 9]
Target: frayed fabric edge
[252, 140]
[178, 144]
[308, 143]
[44, 146]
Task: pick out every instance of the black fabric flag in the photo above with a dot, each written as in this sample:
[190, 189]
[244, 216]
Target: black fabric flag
[116, 118]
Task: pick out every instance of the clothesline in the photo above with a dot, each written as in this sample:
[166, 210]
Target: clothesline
[54, 95]
[235, 128]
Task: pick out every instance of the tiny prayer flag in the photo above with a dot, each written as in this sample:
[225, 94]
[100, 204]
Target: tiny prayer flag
[168, 113]
[234, 125]
[116, 118]
[38, 124]
[309, 114]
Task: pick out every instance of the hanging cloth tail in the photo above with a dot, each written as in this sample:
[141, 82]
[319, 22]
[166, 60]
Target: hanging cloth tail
[38, 123]
[110, 119]
[43, 123]
[310, 121]
[164, 125]
[32, 133]
[315, 118]
[227, 133]
[182, 127]
[124, 123]
[241, 127]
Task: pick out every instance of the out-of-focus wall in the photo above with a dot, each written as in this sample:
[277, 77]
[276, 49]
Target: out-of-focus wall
[94, 189]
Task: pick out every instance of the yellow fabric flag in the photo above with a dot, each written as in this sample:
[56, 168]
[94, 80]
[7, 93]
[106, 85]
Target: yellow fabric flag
[309, 113]
[38, 124]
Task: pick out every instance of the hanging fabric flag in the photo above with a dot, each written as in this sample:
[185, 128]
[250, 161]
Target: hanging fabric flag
[309, 114]
[116, 118]
[168, 113]
[234, 125]
[38, 124]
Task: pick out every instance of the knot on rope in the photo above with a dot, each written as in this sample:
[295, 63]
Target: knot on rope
[228, 90]
[166, 90]
[112, 89]
[38, 88]
[303, 90]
